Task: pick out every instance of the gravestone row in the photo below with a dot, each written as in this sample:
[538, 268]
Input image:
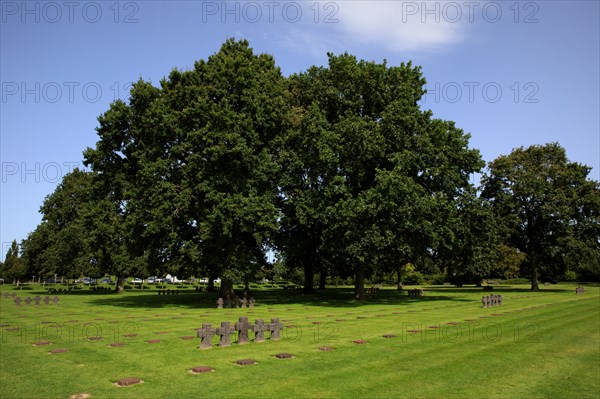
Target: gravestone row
[242, 328]
[491, 301]
[237, 302]
[415, 292]
[35, 300]
[102, 289]
[168, 292]
[60, 290]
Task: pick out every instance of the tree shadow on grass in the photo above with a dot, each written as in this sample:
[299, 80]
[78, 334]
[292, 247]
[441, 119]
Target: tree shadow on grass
[334, 298]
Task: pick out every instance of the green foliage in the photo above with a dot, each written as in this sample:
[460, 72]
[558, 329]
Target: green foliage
[14, 267]
[548, 209]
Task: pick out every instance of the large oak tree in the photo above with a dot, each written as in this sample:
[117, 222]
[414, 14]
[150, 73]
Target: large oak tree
[549, 208]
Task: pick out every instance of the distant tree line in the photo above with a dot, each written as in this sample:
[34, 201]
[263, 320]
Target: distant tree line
[336, 170]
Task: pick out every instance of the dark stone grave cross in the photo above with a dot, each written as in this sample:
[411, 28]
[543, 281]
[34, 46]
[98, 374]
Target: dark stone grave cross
[37, 299]
[18, 301]
[47, 300]
[242, 328]
[55, 300]
[485, 301]
[27, 300]
[259, 330]
[224, 333]
[275, 327]
[205, 334]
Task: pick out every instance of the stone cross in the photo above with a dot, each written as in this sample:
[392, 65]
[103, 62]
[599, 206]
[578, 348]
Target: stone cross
[224, 333]
[243, 302]
[17, 301]
[205, 334]
[55, 300]
[242, 328]
[275, 327]
[251, 303]
[6, 294]
[13, 295]
[47, 300]
[259, 330]
[484, 301]
[499, 299]
[220, 303]
[27, 300]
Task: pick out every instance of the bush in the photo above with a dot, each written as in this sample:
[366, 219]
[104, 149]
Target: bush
[516, 281]
[570, 276]
[414, 278]
[435, 279]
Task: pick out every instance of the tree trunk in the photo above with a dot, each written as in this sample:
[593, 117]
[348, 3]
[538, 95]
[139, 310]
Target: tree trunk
[534, 277]
[120, 286]
[309, 274]
[359, 283]
[399, 281]
[227, 289]
[322, 280]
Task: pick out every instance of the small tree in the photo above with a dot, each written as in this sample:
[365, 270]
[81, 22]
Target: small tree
[13, 264]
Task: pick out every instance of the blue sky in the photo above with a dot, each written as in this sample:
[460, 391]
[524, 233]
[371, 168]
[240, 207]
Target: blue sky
[510, 73]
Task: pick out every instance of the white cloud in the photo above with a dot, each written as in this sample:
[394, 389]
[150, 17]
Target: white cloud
[402, 26]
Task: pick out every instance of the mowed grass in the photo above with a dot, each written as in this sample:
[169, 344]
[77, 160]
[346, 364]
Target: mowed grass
[544, 344]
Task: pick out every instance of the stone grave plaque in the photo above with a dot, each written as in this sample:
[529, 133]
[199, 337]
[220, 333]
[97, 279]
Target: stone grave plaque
[245, 362]
[128, 381]
[284, 356]
[326, 348]
[202, 369]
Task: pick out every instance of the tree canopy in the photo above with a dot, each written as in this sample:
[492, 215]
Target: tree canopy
[550, 210]
[336, 169]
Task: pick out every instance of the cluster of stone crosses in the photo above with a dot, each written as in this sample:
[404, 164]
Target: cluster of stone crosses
[28, 300]
[491, 301]
[579, 290]
[235, 302]
[242, 328]
[415, 292]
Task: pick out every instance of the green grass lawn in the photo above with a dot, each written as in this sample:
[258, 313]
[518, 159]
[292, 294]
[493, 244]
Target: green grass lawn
[544, 344]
